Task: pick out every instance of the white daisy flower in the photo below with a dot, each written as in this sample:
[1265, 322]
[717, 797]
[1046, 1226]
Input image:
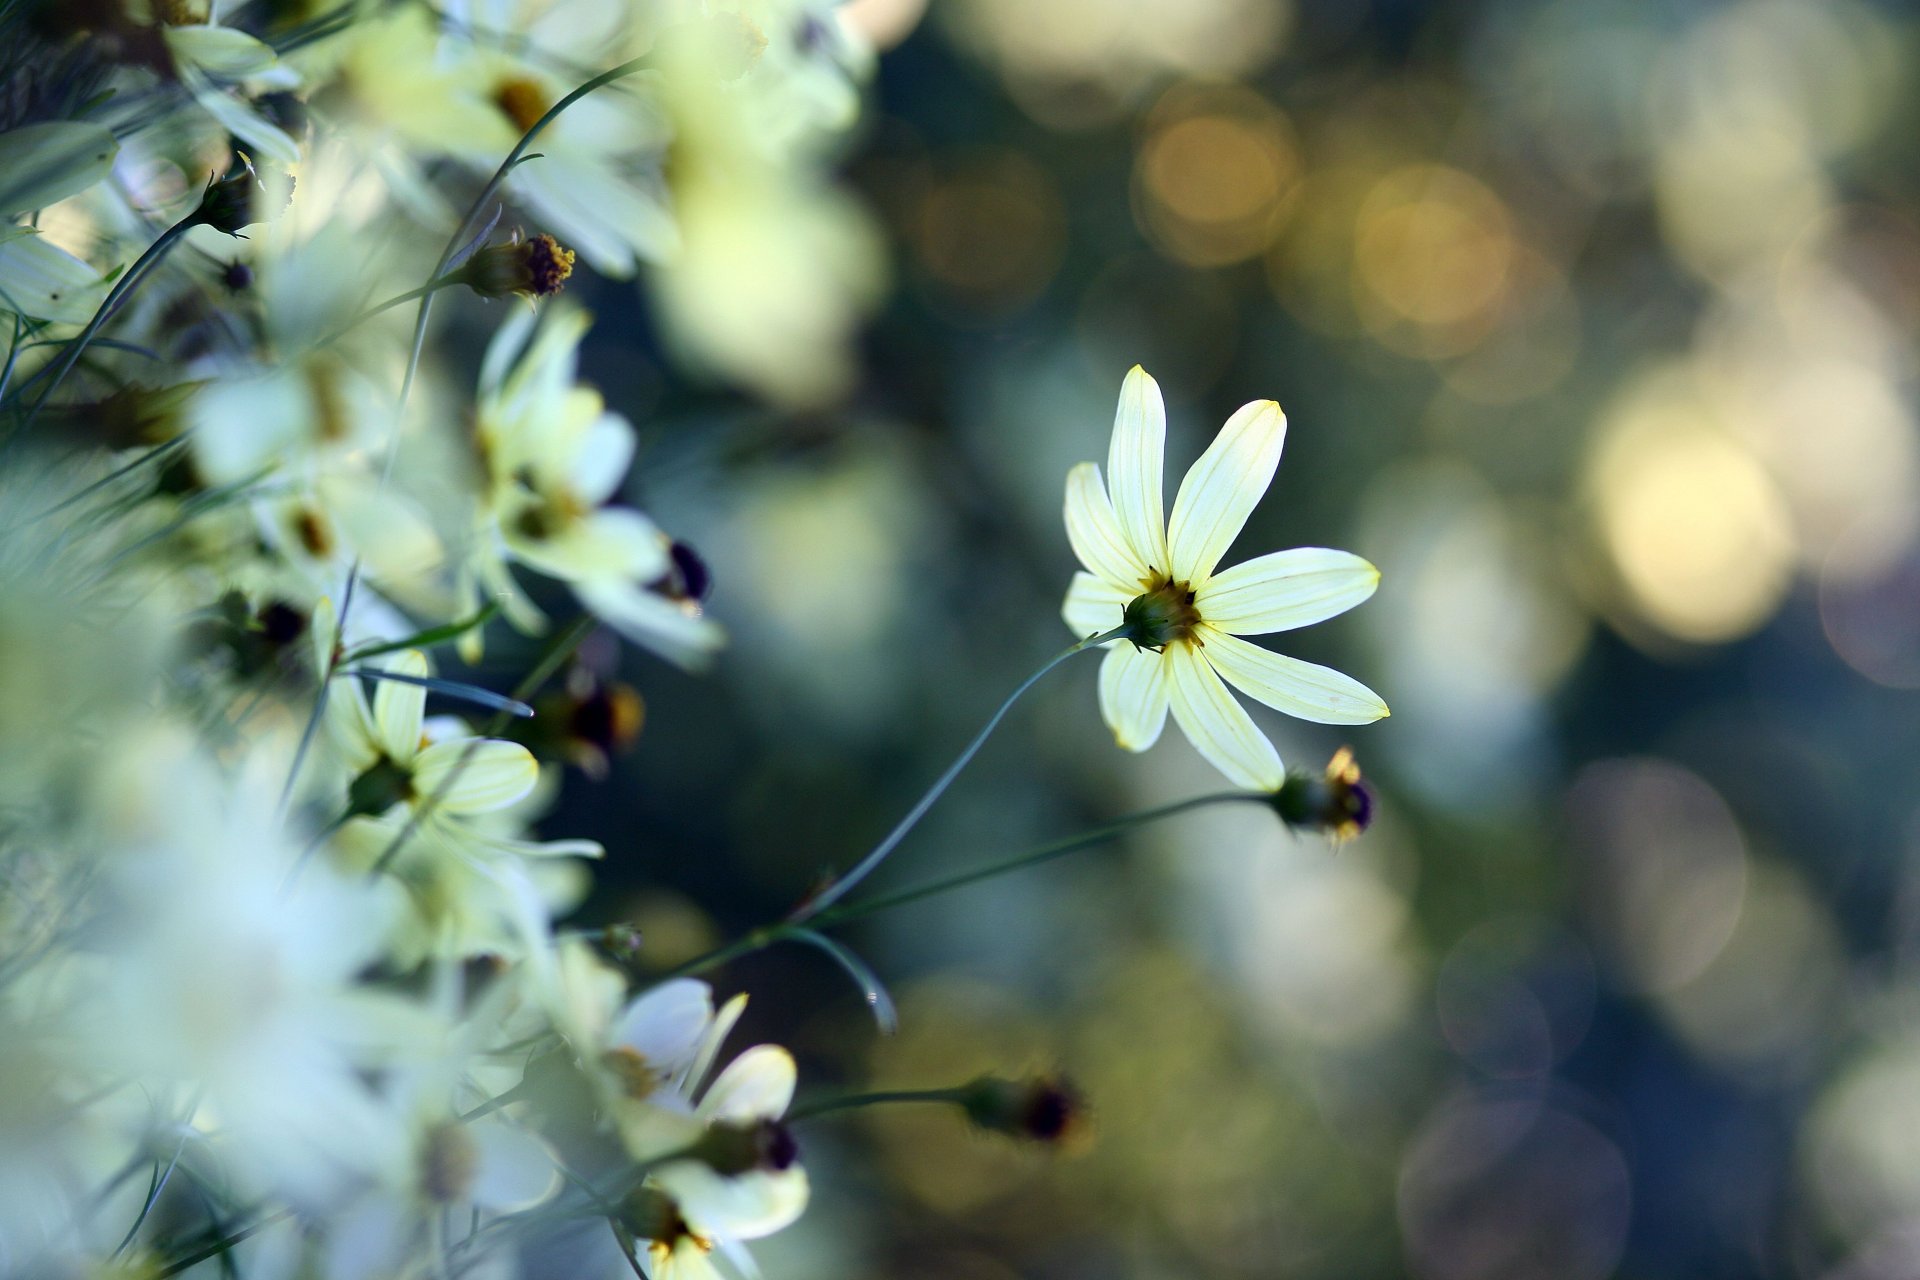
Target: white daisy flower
[556, 457]
[1158, 574]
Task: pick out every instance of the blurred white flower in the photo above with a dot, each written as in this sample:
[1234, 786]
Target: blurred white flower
[215, 984]
[555, 455]
[1158, 574]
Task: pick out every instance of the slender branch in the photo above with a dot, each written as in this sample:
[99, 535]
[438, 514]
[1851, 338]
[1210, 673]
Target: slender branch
[787, 930]
[217, 1247]
[838, 889]
[888, 1097]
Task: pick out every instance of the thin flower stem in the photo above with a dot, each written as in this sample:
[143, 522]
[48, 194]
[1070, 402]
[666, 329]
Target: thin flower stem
[1031, 858]
[217, 1247]
[852, 1101]
[115, 296]
[839, 888]
[431, 286]
[557, 653]
[771, 935]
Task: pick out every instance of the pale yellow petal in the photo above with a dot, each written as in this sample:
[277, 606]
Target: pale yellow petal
[1220, 728]
[1134, 462]
[757, 1085]
[1301, 689]
[1133, 695]
[1284, 590]
[1221, 489]
[478, 777]
[1093, 605]
[1095, 533]
[398, 708]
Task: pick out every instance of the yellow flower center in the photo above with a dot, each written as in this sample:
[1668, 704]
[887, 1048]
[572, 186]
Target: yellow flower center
[521, 101]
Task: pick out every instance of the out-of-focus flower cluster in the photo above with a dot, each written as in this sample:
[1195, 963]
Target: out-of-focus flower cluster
[277, 944]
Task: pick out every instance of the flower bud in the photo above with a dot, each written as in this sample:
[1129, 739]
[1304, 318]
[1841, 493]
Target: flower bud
[1336, 802]
[241, 198]
[1040, 1109]
[586, 723]
[448, 1162]
[536, 268]
[766, 1146]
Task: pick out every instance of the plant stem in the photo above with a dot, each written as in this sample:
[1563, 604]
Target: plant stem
[851, 1101]
[220, 1246]
[838, 889]
[770, 935]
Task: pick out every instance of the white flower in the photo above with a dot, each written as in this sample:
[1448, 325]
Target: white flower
[383, 742]
[555, 455]
[1160, 573]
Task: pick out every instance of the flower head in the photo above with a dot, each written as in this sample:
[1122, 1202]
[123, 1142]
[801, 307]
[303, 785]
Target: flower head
[1158, 576]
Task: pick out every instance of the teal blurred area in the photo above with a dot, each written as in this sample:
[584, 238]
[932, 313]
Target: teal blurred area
[1593, 322]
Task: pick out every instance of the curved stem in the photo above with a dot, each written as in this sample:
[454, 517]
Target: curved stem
[437, 283]
[121, 288]
[885, 1097]
[865, 867]
[1031, 858]
[770, 935]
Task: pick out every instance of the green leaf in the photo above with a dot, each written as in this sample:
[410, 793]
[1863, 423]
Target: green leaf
[427, 639]
[41, 164]
[44, 281]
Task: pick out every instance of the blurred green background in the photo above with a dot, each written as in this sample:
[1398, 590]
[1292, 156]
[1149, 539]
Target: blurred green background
[1594, 324]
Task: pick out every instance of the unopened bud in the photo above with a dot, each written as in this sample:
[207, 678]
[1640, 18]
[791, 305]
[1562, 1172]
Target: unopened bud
[766, 1146]
[242, 198]
[1041, 1109]
[448, 1163]
[1336, 802]
[536, 268]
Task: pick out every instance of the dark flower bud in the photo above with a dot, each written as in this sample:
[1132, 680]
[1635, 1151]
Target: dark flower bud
[242, 198]
[536, 268]
[236, 277]
[622, 941]
[1336, 802]
[448, 1162]
[1040, 1109]
[730, 1150]
[586, 723]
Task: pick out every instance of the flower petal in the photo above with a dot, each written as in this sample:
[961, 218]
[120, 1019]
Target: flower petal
[1133, 695]
[744, 1207]
[398, 708]
[667, 1024]
[1284, 590]
[1134, 463]
[1093, 605]
[1220, 490]
[605, 454]
[1095, 532]
[1301, 689]
[675, 630]
[757, 1085]
[493, 776]
[1220, 728]
[515, 1170]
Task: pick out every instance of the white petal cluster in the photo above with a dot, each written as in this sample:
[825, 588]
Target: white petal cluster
[1131, 549]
